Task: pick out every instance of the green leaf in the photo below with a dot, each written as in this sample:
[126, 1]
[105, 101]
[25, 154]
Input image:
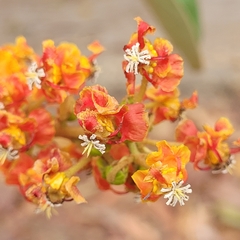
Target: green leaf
[228, 215]
[190, 7]
[180, 19]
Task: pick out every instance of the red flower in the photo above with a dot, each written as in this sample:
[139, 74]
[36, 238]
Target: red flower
[154, 61]
[99, 113]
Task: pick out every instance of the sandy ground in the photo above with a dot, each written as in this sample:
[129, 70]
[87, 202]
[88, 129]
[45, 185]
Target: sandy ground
[107, 216]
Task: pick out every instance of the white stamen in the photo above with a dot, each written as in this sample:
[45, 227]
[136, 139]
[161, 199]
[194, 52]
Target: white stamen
[90, 143]
[8, 153]
[1, 106]
[33, 76]
[226, 167]
[176, 193]
[96, 71]
[47, 206]
[137, 198]
[134, 57]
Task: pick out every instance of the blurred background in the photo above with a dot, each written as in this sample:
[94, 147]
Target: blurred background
[207, 35]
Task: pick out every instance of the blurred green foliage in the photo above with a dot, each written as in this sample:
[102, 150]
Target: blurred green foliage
[180, 18]
[227, 214]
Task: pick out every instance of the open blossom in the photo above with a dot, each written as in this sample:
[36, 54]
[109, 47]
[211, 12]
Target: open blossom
[154, 61]
[209, 149]
[165, 175]
[100, 114]
[47, 183]
[66, 69]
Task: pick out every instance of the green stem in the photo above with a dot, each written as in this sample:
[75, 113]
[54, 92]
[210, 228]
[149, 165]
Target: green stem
[150, 141]
[83, 162]
[133, 148]
[150, 105]
[143, 149]
[140, 95]
[139, 158]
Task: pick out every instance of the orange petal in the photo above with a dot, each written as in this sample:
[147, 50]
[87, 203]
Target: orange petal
[71, 188]
[190, 103]
[224, 126]
[95, 47]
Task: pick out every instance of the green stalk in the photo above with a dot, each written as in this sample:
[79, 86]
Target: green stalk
[83, 162]
[140, 95]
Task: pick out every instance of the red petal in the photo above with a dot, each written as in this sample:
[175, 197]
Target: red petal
[143, 29]
[134, 123]
[184, 129]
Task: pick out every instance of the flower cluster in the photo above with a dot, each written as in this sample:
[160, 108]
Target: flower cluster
[54, 126]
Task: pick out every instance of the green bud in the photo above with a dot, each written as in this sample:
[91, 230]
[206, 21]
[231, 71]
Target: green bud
[120, 177]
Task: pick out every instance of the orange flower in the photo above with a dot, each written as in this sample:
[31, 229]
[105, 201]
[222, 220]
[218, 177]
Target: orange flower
[19, 133]
[66, 69]
[21, 51]
[166, 173]
[164, 105]
[16, 132]
[15, 58]
[208, 147]
[13, 94]
[47, 183]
